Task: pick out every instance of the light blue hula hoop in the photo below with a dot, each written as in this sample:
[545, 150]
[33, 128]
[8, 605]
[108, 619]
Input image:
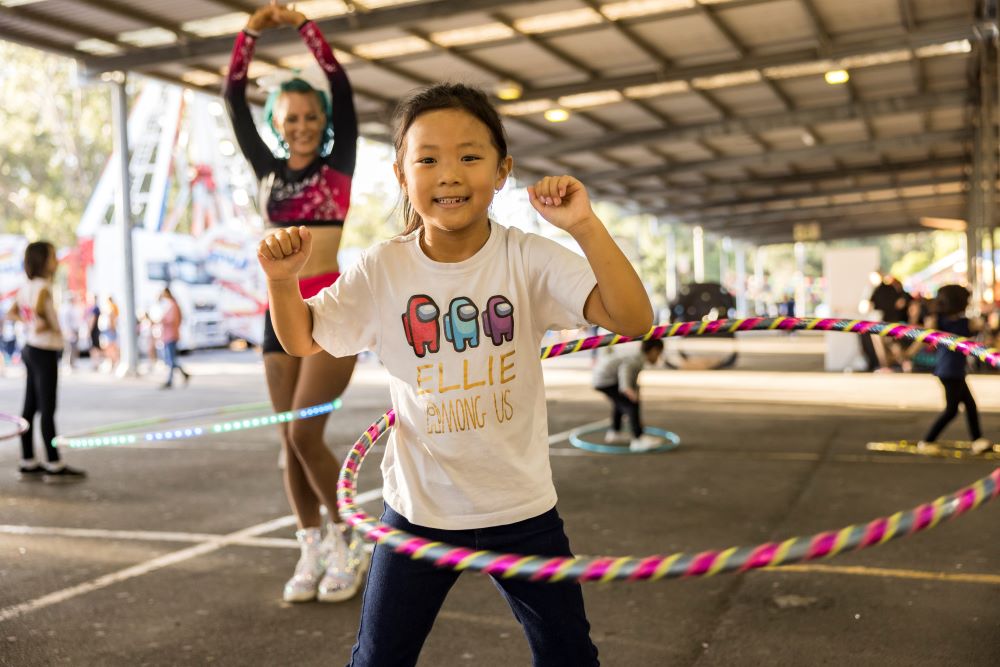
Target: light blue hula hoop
[671, 441]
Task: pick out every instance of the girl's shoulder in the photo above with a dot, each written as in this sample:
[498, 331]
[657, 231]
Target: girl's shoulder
[390, 251]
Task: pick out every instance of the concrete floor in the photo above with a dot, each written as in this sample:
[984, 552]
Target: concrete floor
[191, 541]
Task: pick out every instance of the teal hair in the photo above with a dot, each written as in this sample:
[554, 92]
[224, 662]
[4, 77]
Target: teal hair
[300, 86]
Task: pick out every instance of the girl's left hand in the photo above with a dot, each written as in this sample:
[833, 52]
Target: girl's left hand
[562, 201]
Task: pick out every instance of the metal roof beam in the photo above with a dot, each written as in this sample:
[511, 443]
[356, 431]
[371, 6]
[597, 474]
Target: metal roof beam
[820, 213]
[39, 43]
[696, 213]
[751, 124]
[804, 178]
[946, 32]
[844, 229]
[379, 18]
[866, 147]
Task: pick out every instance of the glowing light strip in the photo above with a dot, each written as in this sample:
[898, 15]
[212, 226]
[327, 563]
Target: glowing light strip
[110, 436]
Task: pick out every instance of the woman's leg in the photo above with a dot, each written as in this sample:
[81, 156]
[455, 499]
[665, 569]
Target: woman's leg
[321, 379]
[631, 408]
[282, 373]
[952, 397]
[971, 414]
[30, 405]
[169, 353]
[611, 392]
[47, 391]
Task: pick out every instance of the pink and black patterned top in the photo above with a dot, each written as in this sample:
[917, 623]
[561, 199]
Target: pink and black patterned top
[319, 194]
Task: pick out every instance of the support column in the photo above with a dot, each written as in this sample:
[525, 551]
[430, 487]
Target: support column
[127, 329]
[670, 262]
[800, 279]
[698, 250]
[759, 258]
[725, 249]
[741, 278]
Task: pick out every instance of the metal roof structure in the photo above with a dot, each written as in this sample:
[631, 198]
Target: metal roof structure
[710, 112]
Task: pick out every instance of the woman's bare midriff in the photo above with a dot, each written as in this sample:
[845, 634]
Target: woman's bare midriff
[323, 259]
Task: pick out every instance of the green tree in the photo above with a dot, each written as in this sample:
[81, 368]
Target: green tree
[55, 138]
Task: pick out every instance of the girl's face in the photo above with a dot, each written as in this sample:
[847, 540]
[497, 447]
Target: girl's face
[301, 122]
[450, 170]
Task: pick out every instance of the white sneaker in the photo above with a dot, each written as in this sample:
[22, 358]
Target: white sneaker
[346, 563]
[980, 445]
[304, 583]
[613, 436]
[644, 443]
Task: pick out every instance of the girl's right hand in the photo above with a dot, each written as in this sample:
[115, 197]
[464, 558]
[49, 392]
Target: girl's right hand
[284, 252]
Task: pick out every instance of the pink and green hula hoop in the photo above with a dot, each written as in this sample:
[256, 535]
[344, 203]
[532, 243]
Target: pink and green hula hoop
[706, 563]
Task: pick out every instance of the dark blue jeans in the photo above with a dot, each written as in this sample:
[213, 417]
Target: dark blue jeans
[170, 358]
[403, 596]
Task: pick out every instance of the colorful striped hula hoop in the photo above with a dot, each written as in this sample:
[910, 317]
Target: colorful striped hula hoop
[19, 424]
[706, 563]
[123, 433]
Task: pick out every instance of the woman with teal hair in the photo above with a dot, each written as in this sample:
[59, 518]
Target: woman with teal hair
[307, 183]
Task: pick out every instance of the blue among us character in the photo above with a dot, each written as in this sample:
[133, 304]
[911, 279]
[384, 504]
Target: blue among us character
[461, 323]
[420, 324]
[498, 319]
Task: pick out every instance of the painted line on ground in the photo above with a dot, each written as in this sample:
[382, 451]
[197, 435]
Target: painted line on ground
[158, 563]
[556, 438]
[142, 535]
[857, 570]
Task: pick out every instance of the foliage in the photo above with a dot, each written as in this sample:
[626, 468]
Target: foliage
[55, 138]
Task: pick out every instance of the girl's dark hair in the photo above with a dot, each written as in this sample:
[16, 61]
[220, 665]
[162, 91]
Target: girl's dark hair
[952, 300]
[435, 98]
[652, 344]
[300, 86]
[36, 256]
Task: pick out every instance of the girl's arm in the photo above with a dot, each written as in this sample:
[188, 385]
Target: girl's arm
[343, 116]
[282, 254]
[41, 311]
[619, 302]
[234, 92]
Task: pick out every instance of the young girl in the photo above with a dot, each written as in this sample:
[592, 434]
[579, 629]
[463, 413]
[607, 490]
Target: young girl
[309, 184]
[616, 375]
[35, 308]
[950, 369]
[456, 308]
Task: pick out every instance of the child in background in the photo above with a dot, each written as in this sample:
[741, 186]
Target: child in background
[950, 368]
[456, 308]
[616, 375]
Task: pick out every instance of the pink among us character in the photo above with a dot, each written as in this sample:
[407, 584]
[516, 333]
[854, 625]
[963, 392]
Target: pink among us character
[498, 319]
[420, 324]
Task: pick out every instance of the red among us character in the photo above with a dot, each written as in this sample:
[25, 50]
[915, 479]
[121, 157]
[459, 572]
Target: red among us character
[498, 319]
[420, 324]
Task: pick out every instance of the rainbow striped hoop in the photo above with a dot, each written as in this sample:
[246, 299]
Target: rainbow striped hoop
[706, 563]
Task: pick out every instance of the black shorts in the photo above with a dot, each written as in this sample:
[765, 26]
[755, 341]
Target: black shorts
[270, 342]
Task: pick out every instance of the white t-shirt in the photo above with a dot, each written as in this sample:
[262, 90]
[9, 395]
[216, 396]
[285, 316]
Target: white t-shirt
[461, 344]
[27, 299]
[621, 367]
